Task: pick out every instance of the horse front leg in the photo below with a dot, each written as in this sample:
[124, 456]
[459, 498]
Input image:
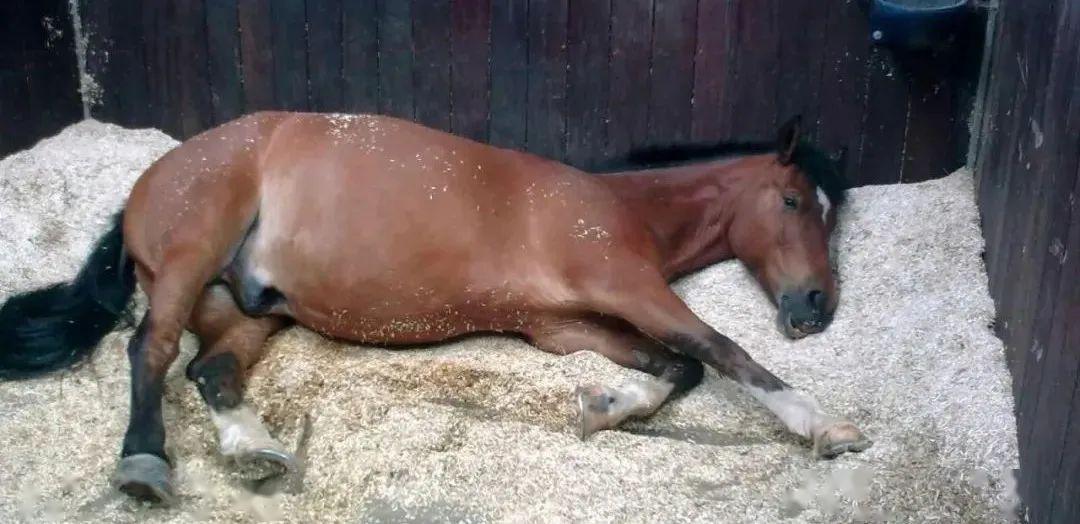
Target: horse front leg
[603, 406]
[654, 309]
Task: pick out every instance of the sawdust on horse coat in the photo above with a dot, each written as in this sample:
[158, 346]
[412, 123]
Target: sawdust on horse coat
[380, 231]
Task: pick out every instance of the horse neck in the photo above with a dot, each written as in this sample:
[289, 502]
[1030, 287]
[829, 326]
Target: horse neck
[688, 208]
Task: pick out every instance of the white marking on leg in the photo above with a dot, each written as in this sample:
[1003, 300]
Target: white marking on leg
[240, 431]
[798, 411]
[641, 398]
[634, 399]
[823, 199]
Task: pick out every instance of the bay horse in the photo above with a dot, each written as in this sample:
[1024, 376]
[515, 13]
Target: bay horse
[381, 231]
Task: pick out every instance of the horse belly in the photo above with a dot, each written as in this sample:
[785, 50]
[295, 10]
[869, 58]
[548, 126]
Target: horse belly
[415, 327]
[372, 292]
[408, 312]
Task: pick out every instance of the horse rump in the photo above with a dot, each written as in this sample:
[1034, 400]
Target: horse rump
[59, 326]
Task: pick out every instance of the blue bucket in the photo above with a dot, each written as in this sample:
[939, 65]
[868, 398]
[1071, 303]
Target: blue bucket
[916, 24]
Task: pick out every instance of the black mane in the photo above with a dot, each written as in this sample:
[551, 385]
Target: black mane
[822, 170]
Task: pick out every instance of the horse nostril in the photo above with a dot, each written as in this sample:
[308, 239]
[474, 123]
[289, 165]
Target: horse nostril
[816, 299]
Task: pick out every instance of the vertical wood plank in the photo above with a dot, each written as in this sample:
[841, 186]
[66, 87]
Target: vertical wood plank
[324, 55]
[509, 73]
[360, 67]
[114, 59]
[14, 86]
[395, 58]
[1029, 195]
[1013, 127]
[1067, 481]
[587, 81]
[1060, 155]
[843, 81]
[223, 42]
[1003, 85]
[56, 76]
[986, 162]
[48, 101]
[756, 69]
[929, 153]
[711, 115]
[127, 81]
[288, 24]
[885, 119]
[470, 31]
[256, 55]
[97, 30]
[1047, 177]
[1019, 139]
[802, 35]
[546, 124]
[431, 62]
[159, 83]
[16, 40]
[631, 50]
[191, 66]
[53, 74]
[38, 93]
[942, 94]
[1051, 234]
[1056, 392]
[671, 84]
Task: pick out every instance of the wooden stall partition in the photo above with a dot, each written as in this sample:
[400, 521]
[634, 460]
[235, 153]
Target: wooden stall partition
[1028, 171]
[582, 81]
[39, 81]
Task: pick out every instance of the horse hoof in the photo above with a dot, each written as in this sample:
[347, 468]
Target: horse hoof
[265, 463]
[839, 438]
[145, 477]
[594, 406]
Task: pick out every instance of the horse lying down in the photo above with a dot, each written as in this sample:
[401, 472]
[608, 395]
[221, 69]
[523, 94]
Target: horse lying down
[381, 231]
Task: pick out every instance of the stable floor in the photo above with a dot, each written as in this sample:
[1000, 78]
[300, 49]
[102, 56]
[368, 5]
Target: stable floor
[479, 430]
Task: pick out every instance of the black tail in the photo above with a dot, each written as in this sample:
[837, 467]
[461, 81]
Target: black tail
[59, 326]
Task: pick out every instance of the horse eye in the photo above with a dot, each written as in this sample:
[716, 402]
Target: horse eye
[790, 203]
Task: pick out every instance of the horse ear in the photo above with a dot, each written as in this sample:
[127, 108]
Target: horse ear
[788, 139]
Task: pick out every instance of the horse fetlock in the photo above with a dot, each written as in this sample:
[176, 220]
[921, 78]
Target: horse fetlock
[146, 477]
[603, 407]
[836, 437]
[218, 379]
[596, 409]
[243, 438]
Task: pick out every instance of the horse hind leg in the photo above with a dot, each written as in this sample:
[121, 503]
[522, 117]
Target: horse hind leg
[605, 406]
[230, 343]
[144, 470]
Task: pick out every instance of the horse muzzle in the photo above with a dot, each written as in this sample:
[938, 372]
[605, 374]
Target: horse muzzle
[802, 313]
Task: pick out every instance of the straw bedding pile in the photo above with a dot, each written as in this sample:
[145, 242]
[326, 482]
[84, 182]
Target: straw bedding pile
[478, 431]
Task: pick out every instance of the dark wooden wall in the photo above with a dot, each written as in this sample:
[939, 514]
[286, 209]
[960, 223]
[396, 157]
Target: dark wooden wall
[38, 76]
[1029, 194]
[578, 80]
